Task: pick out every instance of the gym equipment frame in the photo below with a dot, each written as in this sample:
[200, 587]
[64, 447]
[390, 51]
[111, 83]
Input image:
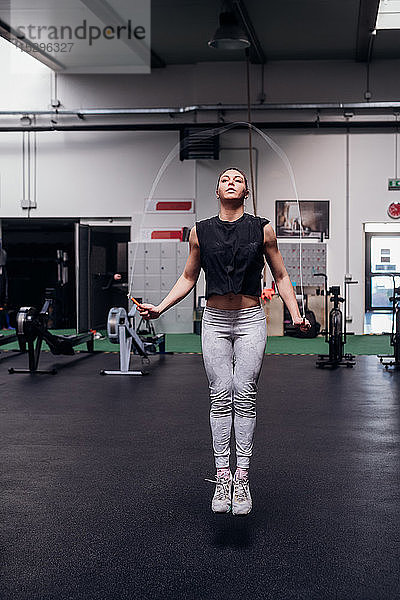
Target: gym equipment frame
[121, 330]
[334, 334]
[387, 360]
[32, 330]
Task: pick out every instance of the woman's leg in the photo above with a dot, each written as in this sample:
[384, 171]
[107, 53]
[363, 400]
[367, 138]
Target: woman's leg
[250, 336]
[217, 357]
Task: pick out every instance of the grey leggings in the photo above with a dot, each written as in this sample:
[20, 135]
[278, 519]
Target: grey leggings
[233, 343]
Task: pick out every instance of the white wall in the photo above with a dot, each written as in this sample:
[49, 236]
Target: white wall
[109, 174]
[92, 174]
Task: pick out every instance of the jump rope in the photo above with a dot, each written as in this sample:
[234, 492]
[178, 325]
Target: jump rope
[207, 134]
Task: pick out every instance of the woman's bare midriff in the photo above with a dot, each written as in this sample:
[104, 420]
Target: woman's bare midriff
[232, 301]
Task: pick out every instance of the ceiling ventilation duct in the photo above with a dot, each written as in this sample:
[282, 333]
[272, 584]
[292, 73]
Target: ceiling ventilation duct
[197, 143]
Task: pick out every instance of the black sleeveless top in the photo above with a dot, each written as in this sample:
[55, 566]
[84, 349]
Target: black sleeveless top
[231, 254]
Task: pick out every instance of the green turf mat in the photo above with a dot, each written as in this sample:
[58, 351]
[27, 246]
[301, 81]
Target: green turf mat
[356, 344]
[102, 345]
[190, 342]
[183, 342]
[369, 344]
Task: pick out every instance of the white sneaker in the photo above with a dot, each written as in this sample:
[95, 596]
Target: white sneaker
[222, 499]
[241, 502]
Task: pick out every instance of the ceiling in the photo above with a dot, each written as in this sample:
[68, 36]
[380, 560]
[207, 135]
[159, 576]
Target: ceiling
[286, 30]
[280, 29]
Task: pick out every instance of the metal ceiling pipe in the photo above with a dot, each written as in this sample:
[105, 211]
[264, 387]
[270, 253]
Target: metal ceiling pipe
[318, 125]
[243, 107]
[340, 106]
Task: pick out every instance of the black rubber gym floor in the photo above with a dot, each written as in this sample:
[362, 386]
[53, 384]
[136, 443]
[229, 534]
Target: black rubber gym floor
[103, 493]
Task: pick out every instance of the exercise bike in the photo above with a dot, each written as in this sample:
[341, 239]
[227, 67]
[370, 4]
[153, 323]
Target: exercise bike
[387, 360]
[335, 333]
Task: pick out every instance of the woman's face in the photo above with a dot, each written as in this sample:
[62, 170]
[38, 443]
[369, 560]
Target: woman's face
[232, 186]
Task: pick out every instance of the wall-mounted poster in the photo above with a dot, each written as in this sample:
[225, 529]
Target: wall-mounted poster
[314, 218]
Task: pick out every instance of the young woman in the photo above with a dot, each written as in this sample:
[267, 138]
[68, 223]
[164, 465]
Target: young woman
[231, 248]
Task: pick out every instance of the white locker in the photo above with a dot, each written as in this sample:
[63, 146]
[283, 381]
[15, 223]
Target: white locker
[183, 249]
[137, 282]
[167, 322]
[157, 267]
[183, 314]
[168, 282]
[139, 266]
[168, 266]
[151, 250]
[168, 250]
[152, 283]
[152, 266]
[180, 264]
[187, 302]
[152, 297]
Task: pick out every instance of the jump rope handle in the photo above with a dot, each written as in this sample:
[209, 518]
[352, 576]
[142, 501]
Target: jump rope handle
[134, 301]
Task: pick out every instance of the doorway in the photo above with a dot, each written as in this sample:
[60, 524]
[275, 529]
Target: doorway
[382, 271]
[71, 263]
[40, 262]
[101, 253]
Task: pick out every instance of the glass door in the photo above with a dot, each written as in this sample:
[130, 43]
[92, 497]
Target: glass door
[382, 262]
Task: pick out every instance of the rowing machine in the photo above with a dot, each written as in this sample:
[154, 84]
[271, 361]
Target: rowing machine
[32, 330]
[120, 330]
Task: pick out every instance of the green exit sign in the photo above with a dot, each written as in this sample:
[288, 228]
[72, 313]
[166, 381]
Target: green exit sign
[394, 184]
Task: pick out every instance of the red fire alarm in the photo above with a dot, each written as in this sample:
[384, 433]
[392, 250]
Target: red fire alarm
[394, 210]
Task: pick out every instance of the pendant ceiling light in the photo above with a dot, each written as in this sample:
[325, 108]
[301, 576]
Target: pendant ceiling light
[229, 35]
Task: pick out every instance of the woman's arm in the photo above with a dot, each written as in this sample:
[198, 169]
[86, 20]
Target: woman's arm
[281, 277]
[184, 284]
